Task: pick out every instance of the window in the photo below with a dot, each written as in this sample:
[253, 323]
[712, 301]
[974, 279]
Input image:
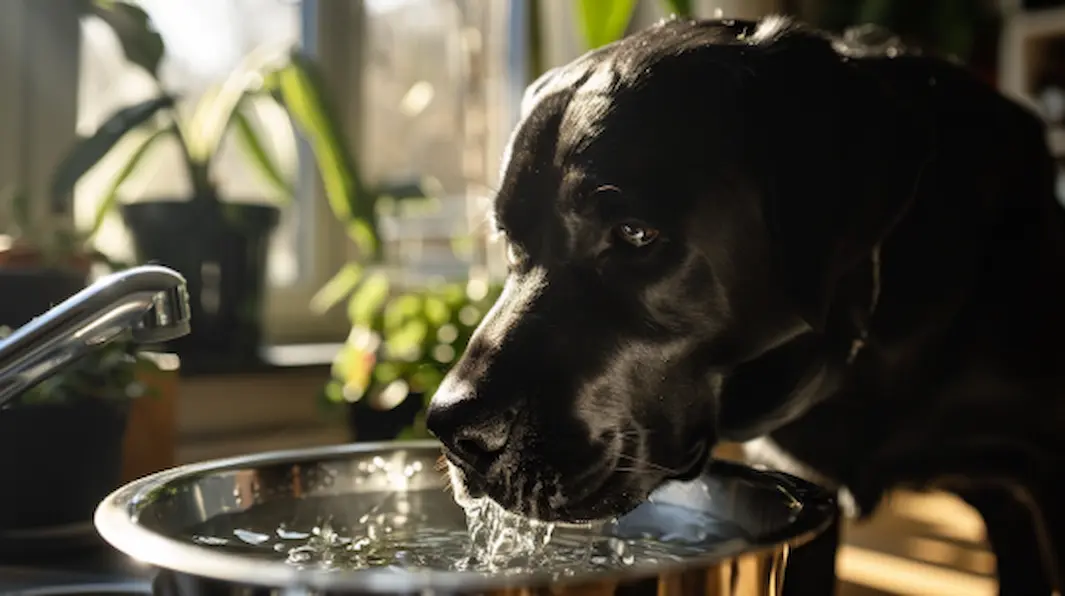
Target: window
[427, 88]
[443, 79]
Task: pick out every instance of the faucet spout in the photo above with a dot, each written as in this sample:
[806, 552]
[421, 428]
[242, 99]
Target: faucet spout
[147, 304]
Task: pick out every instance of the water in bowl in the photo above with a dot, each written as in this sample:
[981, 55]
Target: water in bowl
[424, 529]
[419, 530]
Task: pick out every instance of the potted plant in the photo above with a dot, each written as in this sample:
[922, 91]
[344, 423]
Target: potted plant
[40, 262]
[399, 349]
[44, 259]
[61, 442]
[219, 245]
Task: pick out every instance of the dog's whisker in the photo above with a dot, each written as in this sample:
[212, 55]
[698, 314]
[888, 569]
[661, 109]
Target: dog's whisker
[635, 461]
[629, 470]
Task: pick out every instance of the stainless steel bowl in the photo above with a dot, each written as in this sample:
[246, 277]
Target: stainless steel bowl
[751, 519]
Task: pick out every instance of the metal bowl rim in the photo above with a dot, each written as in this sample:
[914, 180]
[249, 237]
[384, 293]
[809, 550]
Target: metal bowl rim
[114, 522]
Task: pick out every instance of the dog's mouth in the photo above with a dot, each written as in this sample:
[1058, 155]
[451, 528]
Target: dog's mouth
[602, 492]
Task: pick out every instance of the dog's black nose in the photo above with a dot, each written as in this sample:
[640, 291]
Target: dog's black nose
[469, 430]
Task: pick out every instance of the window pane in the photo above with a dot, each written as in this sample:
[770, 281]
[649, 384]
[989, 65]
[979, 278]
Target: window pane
[205, 41]
[426, 122]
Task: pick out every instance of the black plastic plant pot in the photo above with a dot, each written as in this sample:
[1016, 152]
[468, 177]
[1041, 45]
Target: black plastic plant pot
[221, 249]
[59, 460]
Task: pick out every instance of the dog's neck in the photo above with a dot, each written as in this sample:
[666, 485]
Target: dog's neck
[807, 369]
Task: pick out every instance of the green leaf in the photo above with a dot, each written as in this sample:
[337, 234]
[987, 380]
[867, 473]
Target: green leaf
[21, 211]
[111, 197]
[681, 8]
[426, 378]
[603, 21]
[210, 120]
[334, 392]
[406, 343]
[454, 295]
[260, 157]
[306, 98]
[337, 288]
[386, 372]
[87, 152]
[141, 44]
[401, 310]
[436, 311]
[363, 234]
[367, 301]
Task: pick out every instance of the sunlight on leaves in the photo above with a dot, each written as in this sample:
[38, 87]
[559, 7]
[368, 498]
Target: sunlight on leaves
[342, 284]
[111, 196]
[259, 157]
[681, 8]
[368, 299]
[603, 21]
[406, 342]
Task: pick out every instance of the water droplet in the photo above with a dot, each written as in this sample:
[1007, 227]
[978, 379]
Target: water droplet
[250, 537]
[286, 534]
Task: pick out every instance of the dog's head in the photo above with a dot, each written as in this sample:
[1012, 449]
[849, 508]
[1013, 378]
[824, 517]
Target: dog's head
[674, 205]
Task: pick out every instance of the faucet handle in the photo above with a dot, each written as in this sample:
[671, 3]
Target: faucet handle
[167, 319]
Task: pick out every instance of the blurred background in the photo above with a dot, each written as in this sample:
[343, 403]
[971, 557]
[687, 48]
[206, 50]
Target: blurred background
[320, 171]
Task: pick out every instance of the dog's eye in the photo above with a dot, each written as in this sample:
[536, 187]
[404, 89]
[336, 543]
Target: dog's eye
[636, 234]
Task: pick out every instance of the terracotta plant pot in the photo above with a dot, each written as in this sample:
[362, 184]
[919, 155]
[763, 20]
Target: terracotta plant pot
[23, 256]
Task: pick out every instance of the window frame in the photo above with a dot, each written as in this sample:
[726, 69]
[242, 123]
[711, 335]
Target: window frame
[38, 116]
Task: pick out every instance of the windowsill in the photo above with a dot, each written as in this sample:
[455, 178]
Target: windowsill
[277, 358]
[242, 410]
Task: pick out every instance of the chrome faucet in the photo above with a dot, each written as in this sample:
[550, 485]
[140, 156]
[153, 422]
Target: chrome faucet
[147, 304]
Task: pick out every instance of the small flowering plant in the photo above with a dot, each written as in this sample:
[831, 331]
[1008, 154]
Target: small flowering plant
[108, 373]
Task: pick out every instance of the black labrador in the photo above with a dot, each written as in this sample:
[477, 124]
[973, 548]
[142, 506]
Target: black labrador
[851, 259]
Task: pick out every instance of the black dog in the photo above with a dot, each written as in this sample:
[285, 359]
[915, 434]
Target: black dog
[753, 232]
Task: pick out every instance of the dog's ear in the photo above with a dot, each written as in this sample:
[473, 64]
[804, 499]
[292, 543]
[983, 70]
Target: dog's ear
[841, 154]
